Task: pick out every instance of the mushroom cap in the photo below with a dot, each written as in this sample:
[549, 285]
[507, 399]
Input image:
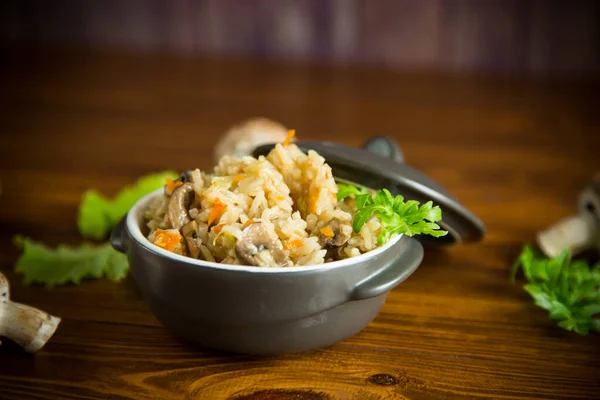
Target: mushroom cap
[339, 237]
[4, 288]
[180, 200]
[190, 232]
[254, 242]
[242, 138]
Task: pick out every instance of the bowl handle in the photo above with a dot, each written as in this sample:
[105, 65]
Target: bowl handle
[393, 274]
[384, 146]
[118, 236]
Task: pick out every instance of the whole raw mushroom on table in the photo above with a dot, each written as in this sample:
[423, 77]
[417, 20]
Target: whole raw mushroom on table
[27, 326]
[577, 233]
[244, 137]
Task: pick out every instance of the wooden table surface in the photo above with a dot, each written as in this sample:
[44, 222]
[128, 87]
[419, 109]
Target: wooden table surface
[515, 152]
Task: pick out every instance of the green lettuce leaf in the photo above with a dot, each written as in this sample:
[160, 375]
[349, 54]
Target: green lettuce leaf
[41, 264]
[98, 215]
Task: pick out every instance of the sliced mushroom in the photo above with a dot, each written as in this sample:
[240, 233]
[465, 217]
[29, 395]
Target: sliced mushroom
[257, 247]
[190, 234]
[339, 237]
[179, 203]
[185, 177]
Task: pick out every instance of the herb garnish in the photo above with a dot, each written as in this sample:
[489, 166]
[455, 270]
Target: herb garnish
[98, 215]
[51, 267]
[396, 215]
[568, 289]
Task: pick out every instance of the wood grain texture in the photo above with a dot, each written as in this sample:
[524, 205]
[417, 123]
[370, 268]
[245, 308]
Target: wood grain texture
[515, 152]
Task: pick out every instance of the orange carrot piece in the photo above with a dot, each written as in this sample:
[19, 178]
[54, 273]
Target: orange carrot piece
[290, 135]
[313, 197]
[217, 229]
[250, 221]
[216, 212]
[327, 231]
[172, 185]
[238, 178]
[294, 244]
[167, 240]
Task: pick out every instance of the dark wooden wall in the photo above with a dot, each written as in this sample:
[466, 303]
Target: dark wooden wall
[523, 36]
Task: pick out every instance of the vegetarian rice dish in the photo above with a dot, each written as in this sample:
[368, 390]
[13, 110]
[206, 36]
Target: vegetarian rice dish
[282, 210]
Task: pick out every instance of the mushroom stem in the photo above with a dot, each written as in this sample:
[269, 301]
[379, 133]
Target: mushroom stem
[576, 233]
[580, 232]
[27, 326]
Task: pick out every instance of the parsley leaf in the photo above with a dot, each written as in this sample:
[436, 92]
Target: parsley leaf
[62, 265]
[568, 290]
[345, 190]
[396, 216]
[98, 215]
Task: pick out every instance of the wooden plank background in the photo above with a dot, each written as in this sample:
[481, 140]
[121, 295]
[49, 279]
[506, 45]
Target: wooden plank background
[534, 37]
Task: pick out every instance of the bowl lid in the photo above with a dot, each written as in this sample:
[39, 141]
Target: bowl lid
[379, 164]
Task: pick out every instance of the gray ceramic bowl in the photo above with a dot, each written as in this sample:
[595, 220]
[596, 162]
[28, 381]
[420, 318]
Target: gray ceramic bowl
[262, 310]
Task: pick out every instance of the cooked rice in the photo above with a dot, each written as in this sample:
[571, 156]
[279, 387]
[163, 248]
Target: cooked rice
[293, 196]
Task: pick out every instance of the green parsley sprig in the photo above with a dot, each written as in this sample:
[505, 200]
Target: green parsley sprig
[568, 289]
[396, 215]
[346, 190]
